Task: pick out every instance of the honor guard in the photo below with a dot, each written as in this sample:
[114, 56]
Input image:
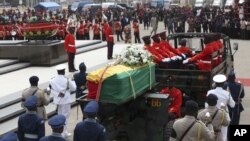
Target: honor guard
[57, 124]
[9, 137]
[89, 129]
[184, 49]
[174, 109]
[190, 129]
[237, 92]
[224, 98]
[147, 46]
[61, 87]
[30, 125]
[218, 117]
[203, 60]
[43, 98]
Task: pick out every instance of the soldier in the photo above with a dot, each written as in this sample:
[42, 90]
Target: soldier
[96, 31]
[224, 98]
[237, 92]
[80, 31]
[203, 60]
[86, 30]
[42, 97]
[136, 31]
[30, 125]
[174, 109]
[70, 48]
[183, 49]
[164, 44]
[61, 87]
[110, 40]
[154, 23]
[81, 81]
[57, 124]
[147, 46]
[218, 117]
[89, 129]
[127, 31]
[190, 129]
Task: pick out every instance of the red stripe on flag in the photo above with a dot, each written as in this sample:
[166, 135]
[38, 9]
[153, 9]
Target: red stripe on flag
[244, 81]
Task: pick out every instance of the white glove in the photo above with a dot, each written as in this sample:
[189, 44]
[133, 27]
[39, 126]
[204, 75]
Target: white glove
[179, 57]
[223, 106]
[166, 60]
[183, 55]
[173, 58]
[193, 52]
[185, 61]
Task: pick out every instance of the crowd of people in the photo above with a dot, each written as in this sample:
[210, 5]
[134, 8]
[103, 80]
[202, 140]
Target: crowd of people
[123, 21]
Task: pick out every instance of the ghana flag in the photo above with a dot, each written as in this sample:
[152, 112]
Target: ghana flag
[119, 84]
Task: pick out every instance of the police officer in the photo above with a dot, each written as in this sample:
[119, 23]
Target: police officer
[61, 87]
[11, 136]
[57, 124]
[212, 114]
[237, 92]
[89, 129]
[224, 98]
[80, 80]
[42, 97]
[30, 125]
[175, 96]
[188, 128]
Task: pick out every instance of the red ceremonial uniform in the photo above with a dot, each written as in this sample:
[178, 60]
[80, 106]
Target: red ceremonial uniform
[157, 56]
[80, 30]
[168, 48]
[185, 50]
[176, 100]
[203, 59]
[96, 29]
[158, 48]
[109, 34]
[69, 43]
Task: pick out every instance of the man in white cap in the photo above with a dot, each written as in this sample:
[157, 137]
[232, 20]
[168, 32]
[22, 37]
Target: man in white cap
[61, 87]
[224, 98]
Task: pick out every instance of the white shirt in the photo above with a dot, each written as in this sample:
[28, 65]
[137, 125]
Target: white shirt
[59, 85]
[223, 97]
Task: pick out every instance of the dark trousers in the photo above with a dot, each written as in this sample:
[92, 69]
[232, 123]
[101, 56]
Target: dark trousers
[110, 49]
[86, 36]
[137, 37]
[119, 34]
[97, 37]
[234, 114]
[71, 59]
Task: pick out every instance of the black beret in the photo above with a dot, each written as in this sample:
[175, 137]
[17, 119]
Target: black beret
[212, 97]
[34, 79]
[191, 106]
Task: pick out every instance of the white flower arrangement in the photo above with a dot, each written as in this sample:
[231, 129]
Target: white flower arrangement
[134, 55]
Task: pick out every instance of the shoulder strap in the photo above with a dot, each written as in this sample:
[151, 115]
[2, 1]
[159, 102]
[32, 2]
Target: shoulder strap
[184, 134]
[34, 92]
[214, 115]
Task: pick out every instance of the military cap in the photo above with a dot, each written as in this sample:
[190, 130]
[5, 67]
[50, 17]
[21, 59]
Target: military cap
[170, 78]
[34, 79]
[57, 121]
[31, 102]
[11, 136]
[162, 34]
[191, 106]
[207, 39]
[155, 37]
[219, 78]
[183, 42]
[82, 66]
[60, 67]
[91, 108]
[146, 38]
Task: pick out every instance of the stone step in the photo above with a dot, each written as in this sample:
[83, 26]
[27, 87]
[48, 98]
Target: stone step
[13, 67]
[91, 47]
[7, 62]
